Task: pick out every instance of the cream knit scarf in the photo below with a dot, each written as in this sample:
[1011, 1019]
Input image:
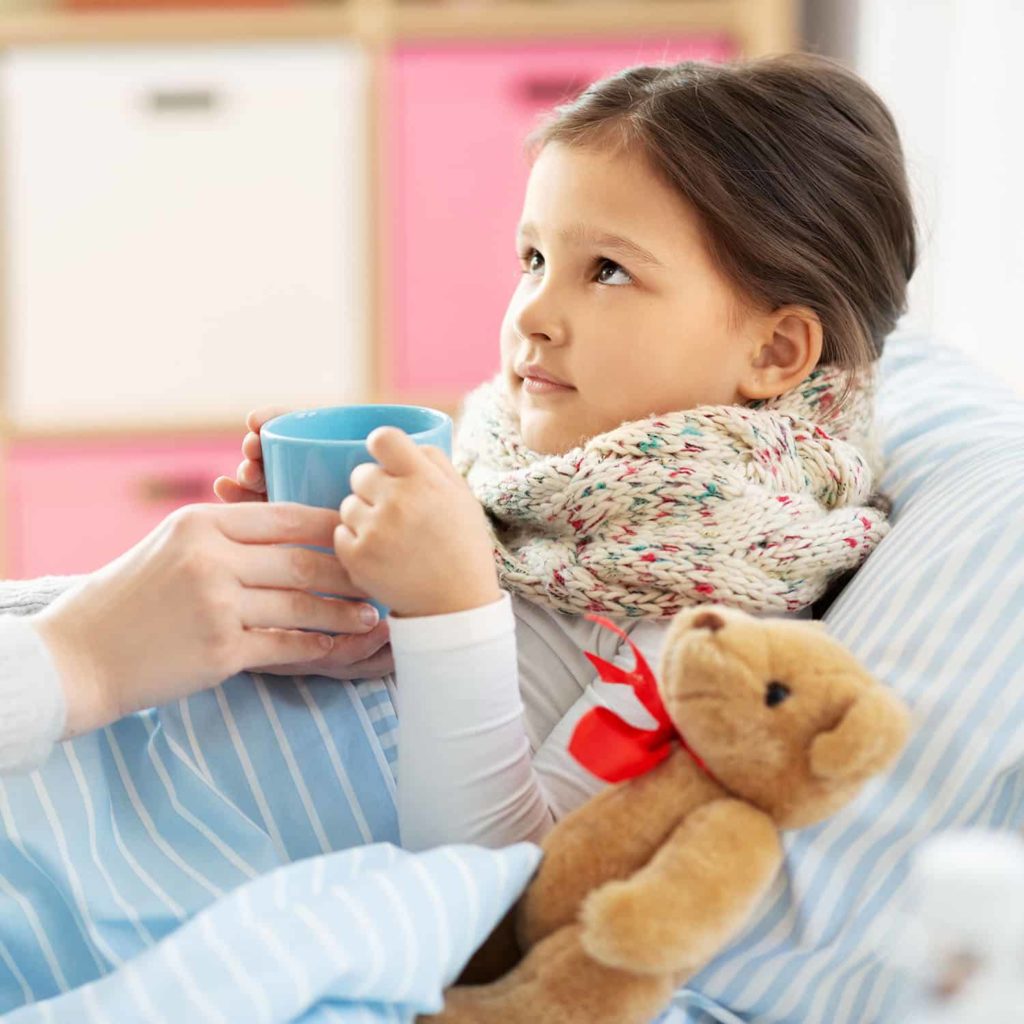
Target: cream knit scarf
[754, 506]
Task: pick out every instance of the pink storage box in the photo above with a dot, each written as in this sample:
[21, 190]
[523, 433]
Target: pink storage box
[74, 506]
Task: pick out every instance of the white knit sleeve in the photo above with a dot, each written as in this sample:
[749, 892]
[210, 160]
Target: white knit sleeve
[464, 765]
[32, 703]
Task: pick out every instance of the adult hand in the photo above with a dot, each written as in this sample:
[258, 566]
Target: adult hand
[207, 594]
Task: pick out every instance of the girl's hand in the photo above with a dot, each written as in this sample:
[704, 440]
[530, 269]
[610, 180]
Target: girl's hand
[209, 592]
[412, 534]
[249, 483]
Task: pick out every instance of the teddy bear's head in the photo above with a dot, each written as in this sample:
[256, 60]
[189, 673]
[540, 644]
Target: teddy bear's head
[782, 715]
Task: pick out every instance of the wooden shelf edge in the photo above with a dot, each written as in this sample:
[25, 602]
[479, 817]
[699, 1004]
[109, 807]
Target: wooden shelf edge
[398, 23]
[158, 26]
[85, 433]
[12, 433]
[525, 19]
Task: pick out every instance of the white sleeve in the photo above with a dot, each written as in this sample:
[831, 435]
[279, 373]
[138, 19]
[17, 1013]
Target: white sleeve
[32, 703]
[464, 765]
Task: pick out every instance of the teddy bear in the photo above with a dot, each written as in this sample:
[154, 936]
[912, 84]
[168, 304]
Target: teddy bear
[763, 724]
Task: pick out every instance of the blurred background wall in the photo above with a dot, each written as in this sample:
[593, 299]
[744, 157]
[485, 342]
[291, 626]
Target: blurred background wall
[950, 72]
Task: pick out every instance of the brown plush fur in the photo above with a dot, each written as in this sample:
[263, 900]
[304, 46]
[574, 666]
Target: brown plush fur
[641, 886]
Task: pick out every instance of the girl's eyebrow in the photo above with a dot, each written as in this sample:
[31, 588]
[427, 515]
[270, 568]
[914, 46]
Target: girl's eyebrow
[580, 234]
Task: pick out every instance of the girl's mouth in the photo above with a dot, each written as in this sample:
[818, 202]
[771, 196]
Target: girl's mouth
[536, 386]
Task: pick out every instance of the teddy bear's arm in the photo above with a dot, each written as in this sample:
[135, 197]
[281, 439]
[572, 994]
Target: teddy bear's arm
[675, 913]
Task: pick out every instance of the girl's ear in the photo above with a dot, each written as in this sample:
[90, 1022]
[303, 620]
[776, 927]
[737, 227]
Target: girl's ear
[787, 350]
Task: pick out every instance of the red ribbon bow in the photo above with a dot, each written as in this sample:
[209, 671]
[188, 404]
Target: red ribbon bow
[610, 747]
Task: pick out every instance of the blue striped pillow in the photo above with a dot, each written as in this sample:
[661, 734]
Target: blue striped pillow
[937, 612]
[369, 934]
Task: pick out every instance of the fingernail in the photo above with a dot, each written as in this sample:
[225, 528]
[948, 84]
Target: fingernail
[326, 642]
[369, 616]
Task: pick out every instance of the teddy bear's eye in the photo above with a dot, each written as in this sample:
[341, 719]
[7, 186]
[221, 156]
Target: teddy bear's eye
[775, 693]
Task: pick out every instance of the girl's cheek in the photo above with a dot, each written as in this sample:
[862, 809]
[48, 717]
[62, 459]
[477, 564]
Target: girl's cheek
[507, 348]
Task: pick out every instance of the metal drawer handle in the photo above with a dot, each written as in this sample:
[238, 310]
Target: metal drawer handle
[182, 101]
[175, 488]
[550, 89]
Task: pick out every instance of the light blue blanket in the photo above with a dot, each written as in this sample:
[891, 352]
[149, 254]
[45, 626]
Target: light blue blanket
[371, 934]
[127, 833]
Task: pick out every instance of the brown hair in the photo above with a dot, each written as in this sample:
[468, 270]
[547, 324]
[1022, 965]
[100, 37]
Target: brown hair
[795, 167]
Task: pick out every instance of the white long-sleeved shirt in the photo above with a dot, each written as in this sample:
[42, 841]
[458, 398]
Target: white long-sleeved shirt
[32, 704]
[487, 702]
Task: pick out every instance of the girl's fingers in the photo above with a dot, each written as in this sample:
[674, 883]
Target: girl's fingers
[230, 492]
[250, 474]
[293, 568]
[344, 538]
[260, 608]
[252, 447]
[368, 481]
[439, 458]
[258, 417]
[394, 450]
[353, 512]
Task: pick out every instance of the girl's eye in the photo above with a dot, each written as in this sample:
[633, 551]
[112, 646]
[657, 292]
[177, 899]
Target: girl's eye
[532, 261]
[614, 268]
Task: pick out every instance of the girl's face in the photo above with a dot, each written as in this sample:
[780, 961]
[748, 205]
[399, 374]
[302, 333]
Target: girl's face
[618, 299]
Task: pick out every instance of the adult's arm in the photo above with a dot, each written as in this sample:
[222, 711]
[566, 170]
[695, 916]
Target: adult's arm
[211, 591]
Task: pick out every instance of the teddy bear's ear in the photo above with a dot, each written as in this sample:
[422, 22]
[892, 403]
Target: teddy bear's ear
[867, 738]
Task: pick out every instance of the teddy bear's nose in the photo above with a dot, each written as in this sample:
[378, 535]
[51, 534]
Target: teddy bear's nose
[709, 620]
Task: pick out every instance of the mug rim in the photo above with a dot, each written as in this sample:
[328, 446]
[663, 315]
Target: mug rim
[439, 417]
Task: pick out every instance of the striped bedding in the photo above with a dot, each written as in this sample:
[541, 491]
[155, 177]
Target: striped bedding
[128, 834]
[371, 934]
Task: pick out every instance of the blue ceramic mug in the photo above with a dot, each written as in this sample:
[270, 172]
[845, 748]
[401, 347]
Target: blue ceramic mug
[308, 456]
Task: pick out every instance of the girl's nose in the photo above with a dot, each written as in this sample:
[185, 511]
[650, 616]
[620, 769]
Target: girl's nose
[538, 318]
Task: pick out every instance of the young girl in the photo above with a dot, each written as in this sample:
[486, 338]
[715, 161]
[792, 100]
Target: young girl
[712, 257]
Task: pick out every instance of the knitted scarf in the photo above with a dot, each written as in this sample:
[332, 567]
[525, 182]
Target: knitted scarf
[754, 506]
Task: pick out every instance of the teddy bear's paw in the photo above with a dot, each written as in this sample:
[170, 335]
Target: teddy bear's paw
[469, 1005]
[622, 930]
[616, 929]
